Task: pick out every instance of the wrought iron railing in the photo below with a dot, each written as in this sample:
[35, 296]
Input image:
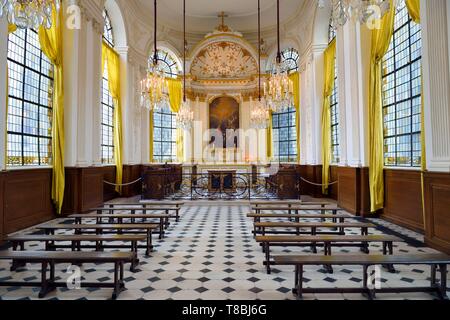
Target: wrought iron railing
[218, 186]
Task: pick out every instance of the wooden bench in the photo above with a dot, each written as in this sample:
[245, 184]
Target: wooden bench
[289, 203]
[335, 218]
[263, 226]
[18, 242]
[327, 242]
[366, 261]
[120, 217]
[48, 260]
[297, 209]
[114, 210]
[100, 229]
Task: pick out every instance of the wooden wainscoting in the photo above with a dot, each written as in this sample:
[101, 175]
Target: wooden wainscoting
[353, 190]
[26, 198]
[403, 198]
[130, 174]
[437, 210]
[84, 189]
[109, 174]
[311, 173]
[334, 189]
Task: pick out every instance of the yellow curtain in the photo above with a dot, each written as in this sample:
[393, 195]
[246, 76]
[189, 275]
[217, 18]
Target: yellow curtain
[112, 60]
[151, 136]
[295, 78]
[329, 70]
[381, 39]
[11, 28]
[176, 98]
[269, 138]
[414, 9]
[51, 44]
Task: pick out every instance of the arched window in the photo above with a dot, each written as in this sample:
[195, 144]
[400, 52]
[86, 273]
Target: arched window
[107, 105]
[166, 63]
[30, 93]
[164, 120]
[402, 93]
[284, 123]
[334, 106]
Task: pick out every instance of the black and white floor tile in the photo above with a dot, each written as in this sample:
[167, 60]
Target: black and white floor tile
[211, 255]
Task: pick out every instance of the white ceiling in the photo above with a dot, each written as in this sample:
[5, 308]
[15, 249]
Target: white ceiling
[202, 14]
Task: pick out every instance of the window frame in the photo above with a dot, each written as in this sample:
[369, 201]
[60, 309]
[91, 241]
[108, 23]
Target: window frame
[334, 107]
[409, 100]
[107, 105]
[161, 158]
[23, 101]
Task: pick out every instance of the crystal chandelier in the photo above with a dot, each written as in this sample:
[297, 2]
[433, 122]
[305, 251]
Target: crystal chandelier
[279, 89]
[361, 10]
[259, 114]
[29, 14]
[154, 88]
[185, 115]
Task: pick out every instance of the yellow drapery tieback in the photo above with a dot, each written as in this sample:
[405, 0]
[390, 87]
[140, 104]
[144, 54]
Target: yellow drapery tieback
[381, 39]
[112, 61]
[176, 99]
[329, 75]
[295, 78]
[150, 137]
[269, 141]
[414, 9]
[51, 44]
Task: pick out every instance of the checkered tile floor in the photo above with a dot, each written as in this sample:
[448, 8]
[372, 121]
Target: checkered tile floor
[211, 254]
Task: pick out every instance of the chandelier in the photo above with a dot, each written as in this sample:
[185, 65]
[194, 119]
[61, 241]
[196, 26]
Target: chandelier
[360, 10]
[29, 14]
[185, 115]
[279, 89]
[154, 88]
[259, 114]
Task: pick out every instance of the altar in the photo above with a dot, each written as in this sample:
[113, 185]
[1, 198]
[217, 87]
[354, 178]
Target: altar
[222, 179]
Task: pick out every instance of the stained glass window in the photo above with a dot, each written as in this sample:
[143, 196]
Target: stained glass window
[30, 93]
[402, 93]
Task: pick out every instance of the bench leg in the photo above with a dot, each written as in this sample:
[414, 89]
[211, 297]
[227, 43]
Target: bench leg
[299, 282]
[267, 252]
[443, 284]
[47, 285]
[367, 292]
[17, 264]
[161, 228]
[149, 243]
[327, 249]
[390, 267]
[135, 261]
[116, 290]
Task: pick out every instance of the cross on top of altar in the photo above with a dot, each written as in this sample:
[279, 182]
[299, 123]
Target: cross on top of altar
[222, 26]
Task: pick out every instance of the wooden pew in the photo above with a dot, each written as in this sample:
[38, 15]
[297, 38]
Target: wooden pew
[114, 210]
[289, 203]
[263, 226]
[18, 242]
[100, 228]
[366, 261]
[120, 217]
[48, 260]
[296, 209]
[328, 241]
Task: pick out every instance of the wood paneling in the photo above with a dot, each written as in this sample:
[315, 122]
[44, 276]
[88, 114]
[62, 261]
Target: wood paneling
[130, 174]
[2, 180]
[312, 173]
[437, 210]
[109, 174]
[26, 199]
[353, 186]
[403, 198]
[333, 189]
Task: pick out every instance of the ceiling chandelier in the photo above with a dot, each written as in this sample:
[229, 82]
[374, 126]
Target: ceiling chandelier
[279, 89]
[360, 10]
[29, 14]
[154, 88]
[259, 114]
[185, 116]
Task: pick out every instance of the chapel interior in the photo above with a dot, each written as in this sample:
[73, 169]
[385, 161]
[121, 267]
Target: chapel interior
[225, 149]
